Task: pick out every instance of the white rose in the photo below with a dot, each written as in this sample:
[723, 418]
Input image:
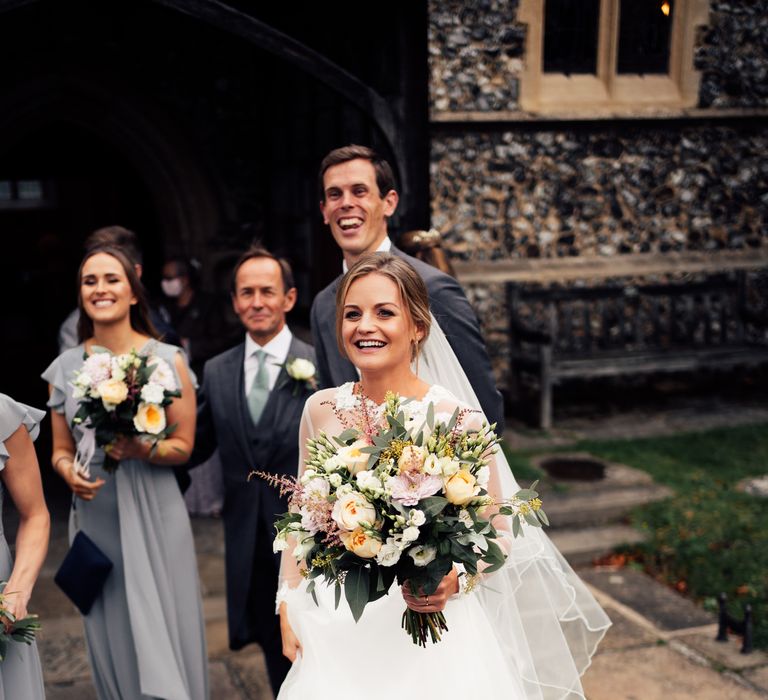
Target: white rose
[117, 368]
[333, 464]
[410, 534]
[361, 543]
[389, 554]
[152, 393]
[162, 374]
[83, 380]
[353, 458]
[368, 481]
[279, 544]
[334, 480]
[78, 392]
[422, 554]
[317, 488]
[301, 369]
[483, 475]
[150, 418]
[112, 392]
[412, 459]
[460, 488]
[351, 510]
[416, 517]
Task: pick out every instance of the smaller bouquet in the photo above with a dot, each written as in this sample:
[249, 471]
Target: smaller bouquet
[401, 495]
[12, 629]
[121, 395]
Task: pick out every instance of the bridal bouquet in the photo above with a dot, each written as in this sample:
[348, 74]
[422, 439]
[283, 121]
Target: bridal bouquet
[403, 497]
[12, 629]
[121, 395]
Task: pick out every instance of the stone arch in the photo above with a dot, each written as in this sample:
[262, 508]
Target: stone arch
[253, 30]
[184, 189]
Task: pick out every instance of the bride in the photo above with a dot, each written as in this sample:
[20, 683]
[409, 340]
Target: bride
[526, 631]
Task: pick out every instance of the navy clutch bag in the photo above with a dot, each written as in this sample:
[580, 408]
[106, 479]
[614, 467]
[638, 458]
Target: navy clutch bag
[83, 572]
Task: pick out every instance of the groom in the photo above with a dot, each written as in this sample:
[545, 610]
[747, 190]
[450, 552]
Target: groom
[249, 407]
[357, 197]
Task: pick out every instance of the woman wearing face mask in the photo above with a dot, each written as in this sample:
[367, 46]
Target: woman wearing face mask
[524, 632]
[196, 316]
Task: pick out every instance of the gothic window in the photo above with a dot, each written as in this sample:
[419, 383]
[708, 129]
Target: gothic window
[610, 56]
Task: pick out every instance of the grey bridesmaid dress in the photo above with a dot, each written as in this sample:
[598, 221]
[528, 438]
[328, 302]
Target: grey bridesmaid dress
[20, 673]
[145, 633]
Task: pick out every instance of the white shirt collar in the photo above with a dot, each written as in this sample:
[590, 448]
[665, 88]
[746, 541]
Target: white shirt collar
[384, 247]
[277, 348]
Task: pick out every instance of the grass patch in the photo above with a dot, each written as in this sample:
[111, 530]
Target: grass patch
[708, 537]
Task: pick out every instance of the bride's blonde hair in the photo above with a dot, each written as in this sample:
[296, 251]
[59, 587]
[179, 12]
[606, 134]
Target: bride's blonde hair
[412, 289]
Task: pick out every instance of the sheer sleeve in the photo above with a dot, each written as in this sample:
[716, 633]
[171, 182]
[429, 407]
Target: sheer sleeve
[290, 575]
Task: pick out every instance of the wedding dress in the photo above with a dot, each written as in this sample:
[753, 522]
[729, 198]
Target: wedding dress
[526, 632]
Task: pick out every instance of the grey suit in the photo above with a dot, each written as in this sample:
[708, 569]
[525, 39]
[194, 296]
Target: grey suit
[250, 508]
[449, 306]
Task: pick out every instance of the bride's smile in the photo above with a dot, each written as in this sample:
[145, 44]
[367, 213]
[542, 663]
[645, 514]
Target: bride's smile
[377, 330]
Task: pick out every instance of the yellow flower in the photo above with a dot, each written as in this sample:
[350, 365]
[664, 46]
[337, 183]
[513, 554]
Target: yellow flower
[361, 543]
[460, 488]
[150, 418]
[112, 392]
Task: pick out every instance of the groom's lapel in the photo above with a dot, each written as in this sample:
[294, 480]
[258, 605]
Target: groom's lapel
[342, 370]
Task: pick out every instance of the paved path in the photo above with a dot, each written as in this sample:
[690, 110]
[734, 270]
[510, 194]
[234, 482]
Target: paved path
[662, 652]
[658, 647]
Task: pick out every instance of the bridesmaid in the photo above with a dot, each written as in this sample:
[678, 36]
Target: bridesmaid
[20, 672]
[145, 632]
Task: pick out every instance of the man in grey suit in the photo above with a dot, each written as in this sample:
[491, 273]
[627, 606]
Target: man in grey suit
[357, 197]
[250, 406]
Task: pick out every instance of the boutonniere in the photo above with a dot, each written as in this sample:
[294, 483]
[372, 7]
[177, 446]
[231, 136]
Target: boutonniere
[301, 371]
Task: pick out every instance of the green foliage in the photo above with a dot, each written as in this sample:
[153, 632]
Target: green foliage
[709, 537]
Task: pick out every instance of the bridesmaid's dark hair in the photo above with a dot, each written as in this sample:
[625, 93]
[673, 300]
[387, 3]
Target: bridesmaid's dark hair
[140, 320]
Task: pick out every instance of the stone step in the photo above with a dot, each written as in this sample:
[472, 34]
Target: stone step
[566, 510]
[582, 545]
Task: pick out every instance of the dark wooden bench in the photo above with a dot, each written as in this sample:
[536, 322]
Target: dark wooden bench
[560, 332]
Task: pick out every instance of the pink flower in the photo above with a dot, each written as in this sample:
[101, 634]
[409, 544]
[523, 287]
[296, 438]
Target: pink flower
[98, 367]
[410, 487]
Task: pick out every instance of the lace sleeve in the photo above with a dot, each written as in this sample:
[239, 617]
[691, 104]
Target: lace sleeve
[290, 575]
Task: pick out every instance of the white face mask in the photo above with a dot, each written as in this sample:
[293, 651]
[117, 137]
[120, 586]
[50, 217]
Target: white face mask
[172, 287]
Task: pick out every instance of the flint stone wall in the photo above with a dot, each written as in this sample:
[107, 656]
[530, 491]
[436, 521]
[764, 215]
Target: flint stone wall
[608, 188]
[732, 55]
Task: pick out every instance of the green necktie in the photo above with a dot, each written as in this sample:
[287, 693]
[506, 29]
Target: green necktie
[259, 391]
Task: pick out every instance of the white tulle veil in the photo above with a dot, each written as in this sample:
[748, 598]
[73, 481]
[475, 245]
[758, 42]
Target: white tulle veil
[547, 622]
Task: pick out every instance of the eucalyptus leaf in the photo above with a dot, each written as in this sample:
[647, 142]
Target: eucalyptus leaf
[542, 516]
[433, 505]
[356, 588]
[531, 519]
[431, 416]
[517, 528]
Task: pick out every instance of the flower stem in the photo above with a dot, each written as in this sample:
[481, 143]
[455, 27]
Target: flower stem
[418, 625]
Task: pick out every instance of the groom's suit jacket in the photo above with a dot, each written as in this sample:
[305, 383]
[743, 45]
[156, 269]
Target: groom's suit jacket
[250, 507]
[458, 321]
